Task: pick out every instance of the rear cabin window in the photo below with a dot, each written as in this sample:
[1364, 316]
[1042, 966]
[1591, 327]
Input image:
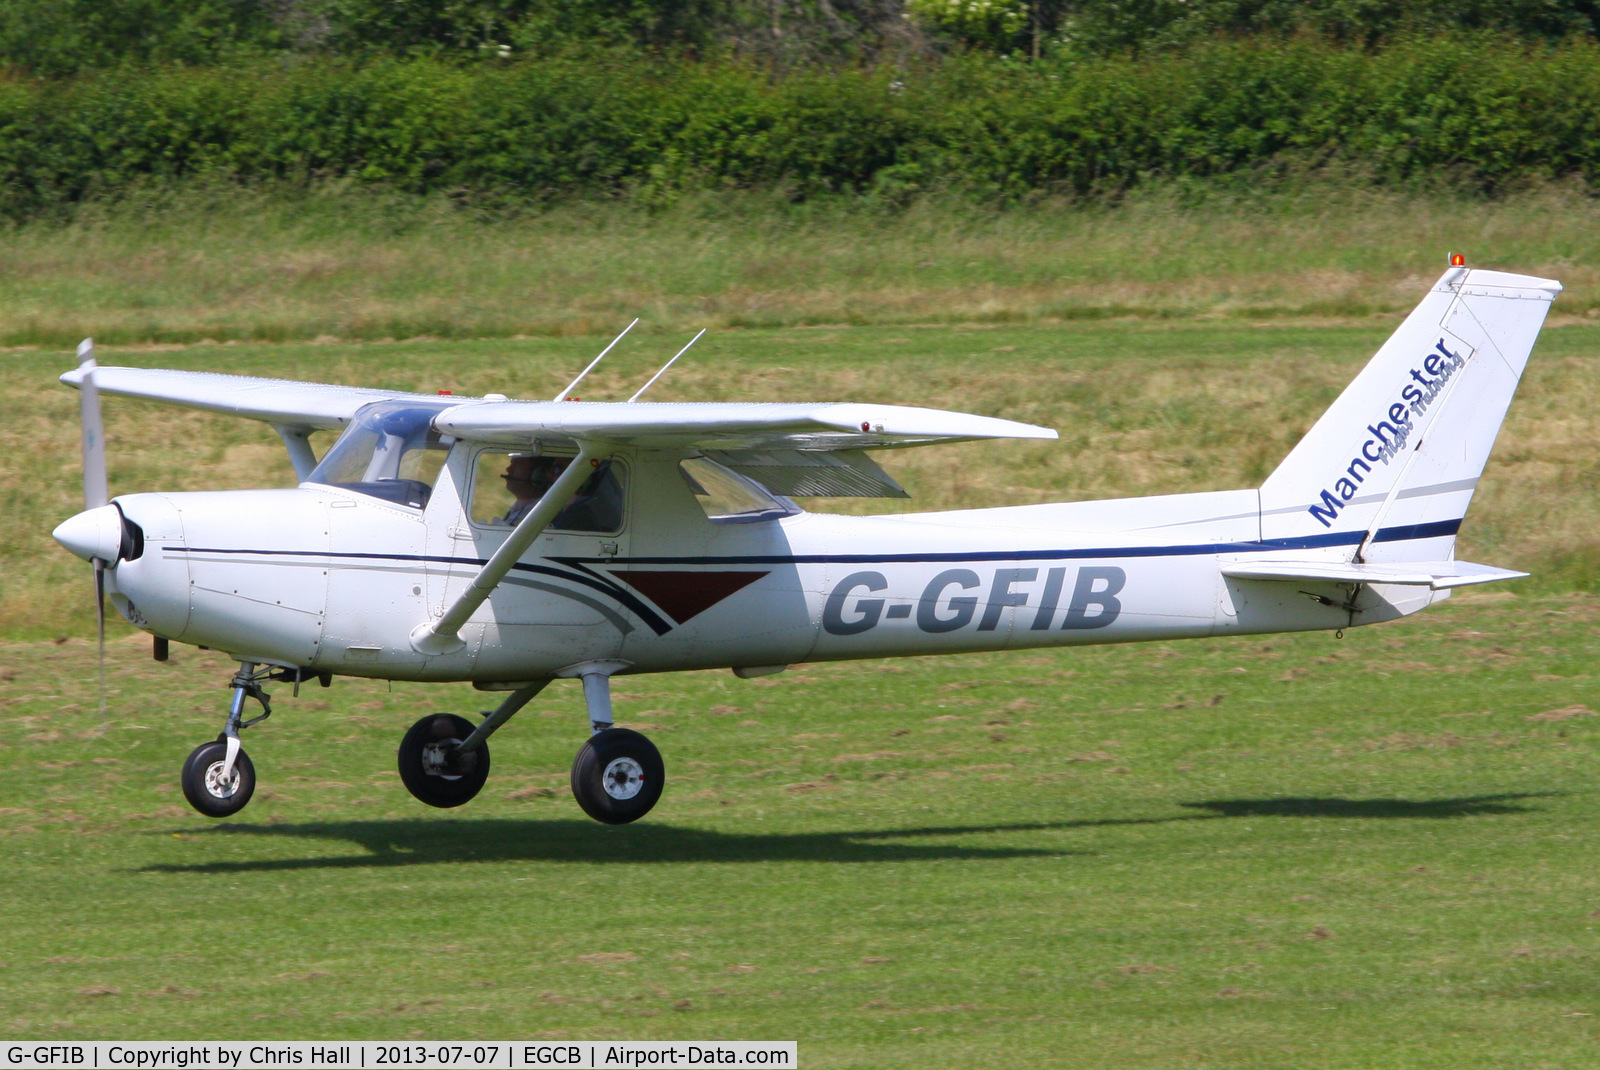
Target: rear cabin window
[506, 486]
[728, 497]
[390, 451]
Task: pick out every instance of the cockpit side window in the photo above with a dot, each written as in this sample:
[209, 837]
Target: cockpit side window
[390, 451]
[507, 485]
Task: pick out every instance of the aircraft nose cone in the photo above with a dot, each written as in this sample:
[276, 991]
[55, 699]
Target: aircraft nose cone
[94, 533]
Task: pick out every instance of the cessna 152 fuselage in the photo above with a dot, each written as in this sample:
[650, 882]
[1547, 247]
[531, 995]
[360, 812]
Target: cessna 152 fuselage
[664, 538]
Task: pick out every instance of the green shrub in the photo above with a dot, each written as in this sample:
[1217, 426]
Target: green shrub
[1475, 112]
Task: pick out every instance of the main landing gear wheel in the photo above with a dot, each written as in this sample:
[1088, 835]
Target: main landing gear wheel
[432, 767]
[617, 776]
[206, 788]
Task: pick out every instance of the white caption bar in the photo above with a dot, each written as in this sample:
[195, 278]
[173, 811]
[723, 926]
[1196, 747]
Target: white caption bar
[398, 1055]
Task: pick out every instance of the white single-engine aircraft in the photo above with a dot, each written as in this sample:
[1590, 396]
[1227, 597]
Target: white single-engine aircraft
[511, 543]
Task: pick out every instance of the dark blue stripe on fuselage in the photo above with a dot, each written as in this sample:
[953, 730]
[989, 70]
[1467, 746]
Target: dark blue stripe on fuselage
[1434, 530]
[587, 577]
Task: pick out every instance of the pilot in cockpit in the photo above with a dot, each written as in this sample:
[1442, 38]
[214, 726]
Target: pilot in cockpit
[528, 478]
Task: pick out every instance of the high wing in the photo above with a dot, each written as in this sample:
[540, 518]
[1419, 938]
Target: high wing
[277, 401]
[721, 425]
[753, 435]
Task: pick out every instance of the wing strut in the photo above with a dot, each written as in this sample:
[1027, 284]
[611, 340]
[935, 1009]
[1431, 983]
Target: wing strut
[297, 439]
[440, 636]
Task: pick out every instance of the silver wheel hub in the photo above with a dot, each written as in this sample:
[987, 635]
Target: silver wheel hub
[623, 778]
[216, 786]
[435, 756]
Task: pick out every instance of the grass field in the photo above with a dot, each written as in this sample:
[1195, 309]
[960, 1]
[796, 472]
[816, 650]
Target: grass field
[232, 266]
[1255, 853]
[1281, 852]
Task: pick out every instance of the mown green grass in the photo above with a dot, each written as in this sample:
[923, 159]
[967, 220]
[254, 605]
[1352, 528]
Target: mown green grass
[1273, 852]
[1268, 852]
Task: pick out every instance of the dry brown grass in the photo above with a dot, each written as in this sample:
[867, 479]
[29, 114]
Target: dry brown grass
[251, 267]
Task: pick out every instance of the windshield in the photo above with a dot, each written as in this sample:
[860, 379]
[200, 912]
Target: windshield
[390, 451]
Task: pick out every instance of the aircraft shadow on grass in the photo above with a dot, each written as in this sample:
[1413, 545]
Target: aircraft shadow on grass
[1467, 806]
[411, 843]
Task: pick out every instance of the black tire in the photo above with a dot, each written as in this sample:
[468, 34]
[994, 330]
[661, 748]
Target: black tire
[617, 776]
[446, 777]
[205, 792]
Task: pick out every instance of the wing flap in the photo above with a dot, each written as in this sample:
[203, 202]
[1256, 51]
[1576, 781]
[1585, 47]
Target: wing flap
[1438, 575]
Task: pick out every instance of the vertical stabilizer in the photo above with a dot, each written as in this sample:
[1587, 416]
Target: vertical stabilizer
[1388, 472]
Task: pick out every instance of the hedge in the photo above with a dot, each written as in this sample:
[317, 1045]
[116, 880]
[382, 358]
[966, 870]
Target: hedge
[1475, 111]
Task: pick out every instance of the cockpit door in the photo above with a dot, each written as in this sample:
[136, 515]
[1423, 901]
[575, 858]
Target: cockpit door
[558, 604]
[450, 558]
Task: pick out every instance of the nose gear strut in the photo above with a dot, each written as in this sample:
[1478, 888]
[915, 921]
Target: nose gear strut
[219, 778]
[247, 683]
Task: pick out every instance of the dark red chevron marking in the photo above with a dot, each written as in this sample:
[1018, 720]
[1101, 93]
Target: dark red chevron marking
[685, 595]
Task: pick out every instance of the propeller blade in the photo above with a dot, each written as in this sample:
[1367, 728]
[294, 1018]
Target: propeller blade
[100, 632]
[95, 491]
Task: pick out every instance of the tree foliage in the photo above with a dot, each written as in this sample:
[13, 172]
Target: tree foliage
[62, 37]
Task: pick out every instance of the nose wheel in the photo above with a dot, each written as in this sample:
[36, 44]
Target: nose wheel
[213, 785]
[617, 776]
[218, 777]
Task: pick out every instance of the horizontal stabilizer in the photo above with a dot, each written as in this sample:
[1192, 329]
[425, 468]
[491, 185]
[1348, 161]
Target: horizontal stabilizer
[1435, 574]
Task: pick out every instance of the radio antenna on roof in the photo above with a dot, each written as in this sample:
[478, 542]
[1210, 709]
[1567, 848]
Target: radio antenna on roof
[593, 362]
[665, 366]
